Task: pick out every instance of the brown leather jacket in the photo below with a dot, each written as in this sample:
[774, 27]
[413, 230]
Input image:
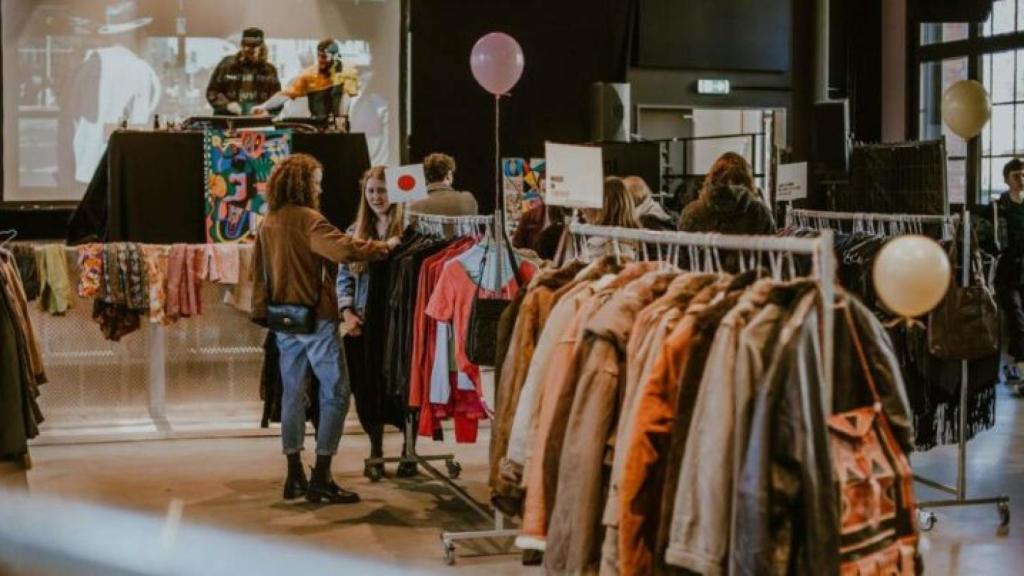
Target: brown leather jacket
[302, 250]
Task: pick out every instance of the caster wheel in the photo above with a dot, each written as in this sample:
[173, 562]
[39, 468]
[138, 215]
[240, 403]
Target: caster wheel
[449, 555]
[926, 520]
[374, 472]
[454, 469]
[1004, 513]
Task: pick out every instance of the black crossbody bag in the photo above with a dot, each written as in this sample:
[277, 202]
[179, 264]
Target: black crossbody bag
[289, 318]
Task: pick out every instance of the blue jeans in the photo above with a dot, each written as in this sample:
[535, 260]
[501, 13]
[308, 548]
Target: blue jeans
[322, 352]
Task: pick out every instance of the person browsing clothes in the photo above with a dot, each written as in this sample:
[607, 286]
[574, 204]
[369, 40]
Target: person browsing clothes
[295, 263]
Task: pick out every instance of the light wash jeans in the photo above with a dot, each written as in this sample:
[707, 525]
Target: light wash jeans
[322, 352]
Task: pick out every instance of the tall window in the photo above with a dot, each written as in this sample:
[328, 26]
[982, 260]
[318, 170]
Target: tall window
[992, 53]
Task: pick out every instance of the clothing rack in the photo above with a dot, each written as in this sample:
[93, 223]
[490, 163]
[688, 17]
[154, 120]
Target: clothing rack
[819, 248]
[926, 518]
[8, 235]
[452, 226]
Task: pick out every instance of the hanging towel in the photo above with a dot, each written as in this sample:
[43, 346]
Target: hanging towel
[239, 296]
[156, 269]
[55, 295]
[90, 266]
[25, 259]
[220, 263]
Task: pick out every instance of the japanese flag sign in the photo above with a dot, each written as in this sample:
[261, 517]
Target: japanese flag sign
[406, 183]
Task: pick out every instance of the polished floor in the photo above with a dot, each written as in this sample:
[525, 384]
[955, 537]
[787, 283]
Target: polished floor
[234, 483]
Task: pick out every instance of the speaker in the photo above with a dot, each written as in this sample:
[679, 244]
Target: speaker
[976, 11]
[610, 112]
[830, 140]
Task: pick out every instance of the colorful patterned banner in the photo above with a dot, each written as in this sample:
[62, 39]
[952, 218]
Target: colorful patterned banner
[523, 185]
[238, 166]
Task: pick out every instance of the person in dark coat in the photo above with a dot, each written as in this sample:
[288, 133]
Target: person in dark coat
[727, 209]
[728, 202]
[244, 80]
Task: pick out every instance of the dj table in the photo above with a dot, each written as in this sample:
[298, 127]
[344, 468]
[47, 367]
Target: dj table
[149, 186]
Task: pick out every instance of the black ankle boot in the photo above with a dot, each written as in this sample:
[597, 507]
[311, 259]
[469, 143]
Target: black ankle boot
[295, 484]
[323, 488]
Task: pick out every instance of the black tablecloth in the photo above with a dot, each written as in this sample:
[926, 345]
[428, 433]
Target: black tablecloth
[149, 186]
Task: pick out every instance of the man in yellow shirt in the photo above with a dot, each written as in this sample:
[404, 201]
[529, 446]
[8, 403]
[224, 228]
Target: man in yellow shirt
[324, 85]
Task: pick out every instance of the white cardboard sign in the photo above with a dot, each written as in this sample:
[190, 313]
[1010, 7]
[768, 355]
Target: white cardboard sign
[406, 183]
[792, 182]
[575, 176]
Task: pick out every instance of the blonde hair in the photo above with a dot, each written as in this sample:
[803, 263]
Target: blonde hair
[638, 189]
[291, 183]
[618, 207]
[366, 218]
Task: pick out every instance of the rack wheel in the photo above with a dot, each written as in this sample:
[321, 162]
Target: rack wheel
[454, 469]
[926, 520]
[1004, 513]
[449, 554]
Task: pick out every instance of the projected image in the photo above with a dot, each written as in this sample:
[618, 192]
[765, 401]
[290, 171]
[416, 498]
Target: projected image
[81, 69]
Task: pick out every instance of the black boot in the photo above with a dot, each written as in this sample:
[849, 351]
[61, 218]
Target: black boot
[323, 488]
[295, 484]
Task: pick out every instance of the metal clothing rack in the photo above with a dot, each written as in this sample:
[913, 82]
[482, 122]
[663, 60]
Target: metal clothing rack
[452, 226]
[926, 519]
[819, 248]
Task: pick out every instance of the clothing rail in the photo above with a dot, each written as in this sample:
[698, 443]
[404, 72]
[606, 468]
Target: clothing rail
[449, 225]
[928, 519]
[865, 216]
[820, 248]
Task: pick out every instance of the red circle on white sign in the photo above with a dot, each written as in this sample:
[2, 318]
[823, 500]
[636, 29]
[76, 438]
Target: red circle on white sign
[406, 183]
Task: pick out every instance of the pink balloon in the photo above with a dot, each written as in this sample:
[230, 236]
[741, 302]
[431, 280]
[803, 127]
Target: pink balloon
[497, 62]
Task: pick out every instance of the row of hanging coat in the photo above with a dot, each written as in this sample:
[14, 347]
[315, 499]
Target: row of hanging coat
[21, 364]
[652, 419]
[417, 316]
[933, 384]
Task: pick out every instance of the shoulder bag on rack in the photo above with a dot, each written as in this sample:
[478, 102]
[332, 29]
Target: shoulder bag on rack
[289, 318]
[874, 483]
[965, 325]
[482, 332]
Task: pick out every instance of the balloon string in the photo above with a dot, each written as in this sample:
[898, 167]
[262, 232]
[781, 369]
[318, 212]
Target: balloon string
[499, 200]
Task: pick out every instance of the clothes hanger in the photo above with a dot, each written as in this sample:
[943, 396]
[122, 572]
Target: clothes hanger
[12, 235]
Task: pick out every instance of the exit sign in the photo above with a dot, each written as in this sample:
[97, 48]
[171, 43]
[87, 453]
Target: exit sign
[712, 86]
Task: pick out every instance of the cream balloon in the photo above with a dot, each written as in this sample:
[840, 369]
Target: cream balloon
[911, 275]
[966, 108]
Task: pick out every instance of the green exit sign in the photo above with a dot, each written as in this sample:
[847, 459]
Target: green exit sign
[712, 86]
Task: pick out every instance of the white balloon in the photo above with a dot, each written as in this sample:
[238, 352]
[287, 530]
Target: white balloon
[966, 108]
[911, 275]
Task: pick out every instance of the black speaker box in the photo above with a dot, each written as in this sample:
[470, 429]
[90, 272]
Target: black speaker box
[830, 141]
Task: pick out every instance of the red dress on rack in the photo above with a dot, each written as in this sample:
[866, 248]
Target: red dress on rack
[425, 331]
[452, 302]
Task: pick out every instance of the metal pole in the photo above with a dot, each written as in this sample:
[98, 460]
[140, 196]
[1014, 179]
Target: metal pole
[961, 468]
[157, 376]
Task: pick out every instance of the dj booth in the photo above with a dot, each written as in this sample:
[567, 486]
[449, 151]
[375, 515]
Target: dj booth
[149, 187]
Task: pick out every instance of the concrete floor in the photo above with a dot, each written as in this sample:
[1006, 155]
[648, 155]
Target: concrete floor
[235, 483]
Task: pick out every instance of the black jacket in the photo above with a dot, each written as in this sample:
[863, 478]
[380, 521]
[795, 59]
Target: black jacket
[728, 210]
[226, 83]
